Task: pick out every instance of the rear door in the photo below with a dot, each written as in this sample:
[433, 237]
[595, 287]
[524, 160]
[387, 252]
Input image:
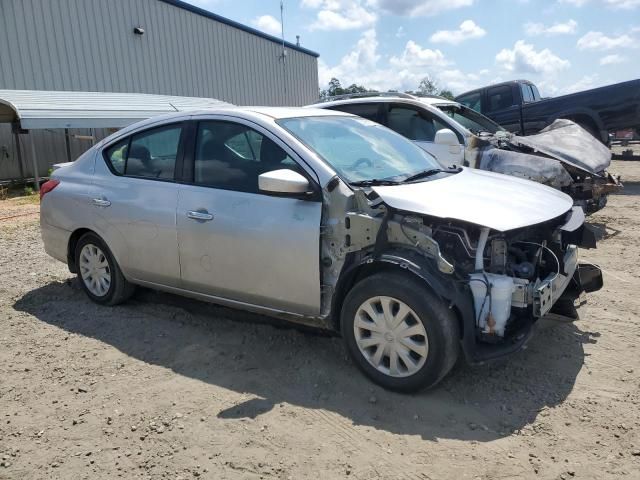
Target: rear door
[421, 126]
[236, 242]
[134, 198]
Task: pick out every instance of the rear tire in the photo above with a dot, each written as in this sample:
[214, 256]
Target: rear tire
[99, 273]
[376, 335]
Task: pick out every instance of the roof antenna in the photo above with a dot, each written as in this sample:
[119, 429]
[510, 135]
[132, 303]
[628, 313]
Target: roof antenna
[174, 107]
[284, 50]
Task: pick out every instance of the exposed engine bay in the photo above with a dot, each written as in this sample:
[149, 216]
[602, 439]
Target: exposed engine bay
[499, 282]
[563, 156]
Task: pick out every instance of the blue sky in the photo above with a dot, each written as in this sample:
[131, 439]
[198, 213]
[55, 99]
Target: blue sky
[562, 45]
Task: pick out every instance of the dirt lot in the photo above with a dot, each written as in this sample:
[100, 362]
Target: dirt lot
[165, 387]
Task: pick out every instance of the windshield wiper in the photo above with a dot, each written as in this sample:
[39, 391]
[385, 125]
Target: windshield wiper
[430, 172]
[373, 182]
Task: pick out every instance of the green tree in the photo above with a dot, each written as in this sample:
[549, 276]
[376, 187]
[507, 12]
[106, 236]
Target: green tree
[336, 88]
[428, 86]
[446, 94]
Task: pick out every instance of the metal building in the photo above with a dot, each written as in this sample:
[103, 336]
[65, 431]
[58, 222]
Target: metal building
[163, 47]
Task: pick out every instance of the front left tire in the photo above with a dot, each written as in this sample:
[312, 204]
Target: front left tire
[398, 332]
[99, 273]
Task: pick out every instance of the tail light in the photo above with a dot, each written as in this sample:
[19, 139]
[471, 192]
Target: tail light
[47, 186]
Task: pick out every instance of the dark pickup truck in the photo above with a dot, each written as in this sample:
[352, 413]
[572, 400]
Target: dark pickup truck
[517, 106]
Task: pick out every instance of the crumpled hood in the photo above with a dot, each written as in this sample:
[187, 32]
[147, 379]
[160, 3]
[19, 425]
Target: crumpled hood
[569, 143]
[488, 199]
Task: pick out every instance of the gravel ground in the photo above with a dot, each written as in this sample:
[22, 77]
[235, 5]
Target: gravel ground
[165, 387]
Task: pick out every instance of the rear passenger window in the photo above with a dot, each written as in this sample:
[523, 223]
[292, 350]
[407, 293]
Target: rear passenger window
[500, 97]
[153, 153]
[117, 156]
[150, 154]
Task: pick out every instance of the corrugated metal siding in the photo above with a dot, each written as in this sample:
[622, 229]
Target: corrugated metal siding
[89, 45]
[50, 149]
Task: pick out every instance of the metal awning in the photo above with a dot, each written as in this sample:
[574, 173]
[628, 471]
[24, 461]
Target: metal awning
[38, 109]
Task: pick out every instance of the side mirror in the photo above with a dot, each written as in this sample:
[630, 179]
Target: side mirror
[446, 136]
[283, 181]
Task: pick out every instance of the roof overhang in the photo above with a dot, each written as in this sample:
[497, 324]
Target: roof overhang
[40, 109]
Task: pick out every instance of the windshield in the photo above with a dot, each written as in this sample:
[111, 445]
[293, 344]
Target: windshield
[470, 119]
[359, 149]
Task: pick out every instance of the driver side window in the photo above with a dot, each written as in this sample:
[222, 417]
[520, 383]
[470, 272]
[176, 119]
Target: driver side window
[413, 124]
[231, 156]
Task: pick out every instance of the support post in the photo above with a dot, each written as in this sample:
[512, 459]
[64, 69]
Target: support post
[19, 154]
[66, 142]
[34, 161]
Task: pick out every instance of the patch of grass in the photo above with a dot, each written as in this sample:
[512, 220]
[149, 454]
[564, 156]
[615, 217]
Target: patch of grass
[31, 199]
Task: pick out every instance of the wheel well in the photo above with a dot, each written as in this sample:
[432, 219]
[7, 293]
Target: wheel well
[71, 248]
[586, 122]
[363, 271]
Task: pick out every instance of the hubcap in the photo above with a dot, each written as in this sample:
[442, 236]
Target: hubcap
[390, 336]
[94, 269]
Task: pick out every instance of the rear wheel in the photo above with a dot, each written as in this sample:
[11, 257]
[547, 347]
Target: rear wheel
[98, 272]
[398, 332]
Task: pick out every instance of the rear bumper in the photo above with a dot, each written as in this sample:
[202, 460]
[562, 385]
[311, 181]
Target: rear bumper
[56, 241]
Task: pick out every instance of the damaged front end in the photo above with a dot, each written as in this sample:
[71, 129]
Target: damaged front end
[497, 282]
[563, 156]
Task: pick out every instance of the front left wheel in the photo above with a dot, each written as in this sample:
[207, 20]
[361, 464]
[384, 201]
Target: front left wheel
[99, 273]
[399, 332]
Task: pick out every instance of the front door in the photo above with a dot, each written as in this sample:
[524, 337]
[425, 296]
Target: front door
[236, 242]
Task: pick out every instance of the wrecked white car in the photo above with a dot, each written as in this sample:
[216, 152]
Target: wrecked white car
[563, 155]
[326, 219]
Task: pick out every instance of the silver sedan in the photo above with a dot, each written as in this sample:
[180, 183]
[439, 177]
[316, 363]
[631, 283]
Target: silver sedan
[323, 218]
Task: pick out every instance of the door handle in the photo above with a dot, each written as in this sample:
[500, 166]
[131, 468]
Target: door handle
[202, 216]
[101, 202]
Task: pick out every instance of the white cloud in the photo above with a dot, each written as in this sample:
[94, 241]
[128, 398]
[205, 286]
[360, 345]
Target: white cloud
[414, 56]
[577, 3]
[615, 4]
[566, 28]
[268, 24]
[467, 30]
[342, 14]
[612, 59]
[400, 33]
[418, 8]
[523, 58]
[585, 83]
[599, 41]
[623, 4]
[363, 65]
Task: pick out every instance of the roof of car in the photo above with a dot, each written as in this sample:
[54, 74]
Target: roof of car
[384, 98]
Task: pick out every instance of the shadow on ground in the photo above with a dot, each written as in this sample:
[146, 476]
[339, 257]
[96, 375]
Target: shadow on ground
[630, 188]
[239, 351]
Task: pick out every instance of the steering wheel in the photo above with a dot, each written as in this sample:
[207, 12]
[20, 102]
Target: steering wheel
[361, 160]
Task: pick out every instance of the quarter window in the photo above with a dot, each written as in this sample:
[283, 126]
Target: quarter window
[117, 156]
[231, 156]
